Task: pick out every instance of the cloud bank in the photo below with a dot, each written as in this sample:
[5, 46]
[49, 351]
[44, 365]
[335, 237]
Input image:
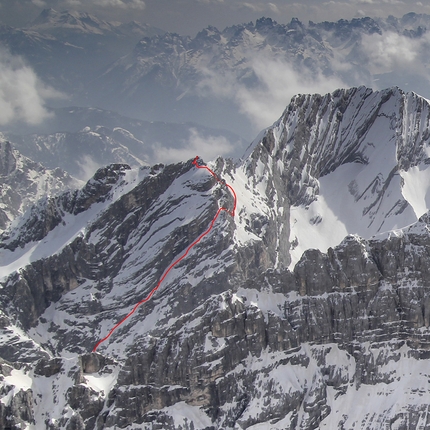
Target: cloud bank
[391, 51]
[22, 94]
[275, 83]
[206, 147]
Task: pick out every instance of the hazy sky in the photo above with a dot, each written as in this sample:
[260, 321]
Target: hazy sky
[189, 16]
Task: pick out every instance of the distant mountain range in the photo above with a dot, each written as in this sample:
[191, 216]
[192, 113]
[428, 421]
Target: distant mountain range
[219, 78]
[68, 50]
[88, 138]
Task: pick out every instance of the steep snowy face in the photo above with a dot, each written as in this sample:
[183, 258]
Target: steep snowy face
[127, 226]
[352, 162]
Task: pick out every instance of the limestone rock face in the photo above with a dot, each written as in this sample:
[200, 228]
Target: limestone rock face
[244, 331]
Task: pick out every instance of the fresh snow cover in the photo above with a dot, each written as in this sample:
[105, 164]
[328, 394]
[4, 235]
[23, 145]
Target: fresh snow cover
[27, 181]
[410, 386]
[51, 394]
[53, 243]
[102, 383]
[175, 208]
[250, 199]
[19, 379]
[336, 213]
[368, 195]
[264, 300]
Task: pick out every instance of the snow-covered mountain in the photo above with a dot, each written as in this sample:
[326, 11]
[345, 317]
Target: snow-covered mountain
[355, 162]
[88, 138]
[51, 21]
[66, 23]
[83, 152]
[23, 182]
[307, 308]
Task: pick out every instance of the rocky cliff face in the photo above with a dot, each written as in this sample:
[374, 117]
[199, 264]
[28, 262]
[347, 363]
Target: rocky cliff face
[246, 331]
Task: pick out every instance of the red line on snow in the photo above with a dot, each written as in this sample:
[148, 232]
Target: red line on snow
[148, 297]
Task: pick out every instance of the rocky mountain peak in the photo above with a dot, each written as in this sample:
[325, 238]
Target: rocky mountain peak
[206, 38]
[265, 24]
[334, 142]
[50, 210]
[295, 24]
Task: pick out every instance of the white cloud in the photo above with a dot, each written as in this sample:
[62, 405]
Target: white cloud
[22, 94]
[273, 8]
[206, 147]
[390, 51]
[255, 7]
[277, 82]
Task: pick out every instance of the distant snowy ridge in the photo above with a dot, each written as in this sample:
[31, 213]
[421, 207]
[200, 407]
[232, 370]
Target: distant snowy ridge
[257, 67]
[91, 138]
[50, 19]
[53, 22]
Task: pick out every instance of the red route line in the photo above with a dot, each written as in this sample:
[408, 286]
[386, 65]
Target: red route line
[148, 297]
